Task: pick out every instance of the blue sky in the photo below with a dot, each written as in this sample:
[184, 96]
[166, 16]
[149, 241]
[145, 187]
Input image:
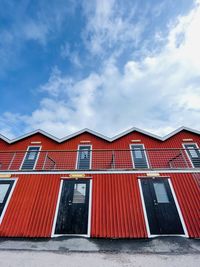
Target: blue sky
[106, 65]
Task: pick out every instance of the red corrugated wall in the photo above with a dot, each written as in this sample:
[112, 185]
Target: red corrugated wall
[188, 194]
[117, 208]
[32, 206]
[116, 205]
[122, 159]
[98, 143]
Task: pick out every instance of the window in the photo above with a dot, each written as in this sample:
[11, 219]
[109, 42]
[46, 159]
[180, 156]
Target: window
[193, 154]
[79, 193]
[139, 156]
[161, 193]
[5, 191]
[84, 158]
[30, 159]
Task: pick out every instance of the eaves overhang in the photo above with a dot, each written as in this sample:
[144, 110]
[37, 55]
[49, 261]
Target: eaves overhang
[86, 130]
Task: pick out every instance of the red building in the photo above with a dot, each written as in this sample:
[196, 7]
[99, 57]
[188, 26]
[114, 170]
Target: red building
[135, 185]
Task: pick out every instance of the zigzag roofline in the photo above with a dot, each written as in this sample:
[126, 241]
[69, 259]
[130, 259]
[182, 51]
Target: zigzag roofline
[133, 129]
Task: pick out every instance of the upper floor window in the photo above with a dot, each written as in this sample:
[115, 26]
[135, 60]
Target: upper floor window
[5, 191]
[30, 158]
[139, 157]
[193, 154]
[84, 157]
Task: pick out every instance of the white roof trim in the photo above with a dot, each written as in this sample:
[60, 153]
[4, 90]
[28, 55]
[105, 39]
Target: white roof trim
[99, 135]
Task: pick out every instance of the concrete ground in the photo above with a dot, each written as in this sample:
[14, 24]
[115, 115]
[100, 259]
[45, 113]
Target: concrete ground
[75, 252]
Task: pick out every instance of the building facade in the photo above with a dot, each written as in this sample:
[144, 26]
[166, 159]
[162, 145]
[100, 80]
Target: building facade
[135, 185]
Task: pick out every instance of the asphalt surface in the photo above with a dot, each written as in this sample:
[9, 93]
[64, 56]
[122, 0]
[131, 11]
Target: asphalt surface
[161, 245]
[96, 259]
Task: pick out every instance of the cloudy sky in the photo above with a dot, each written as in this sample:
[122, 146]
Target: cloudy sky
[106, 65]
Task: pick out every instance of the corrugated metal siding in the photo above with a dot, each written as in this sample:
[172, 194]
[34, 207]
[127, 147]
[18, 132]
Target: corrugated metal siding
[98, 143]
[31, 209]
[188, 195]
[116, 205]
[117, 211]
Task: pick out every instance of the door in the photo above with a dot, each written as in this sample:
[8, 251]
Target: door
[139, 156]
[194, 154]
[5, 189]
[162, 214]
[84, 155]
[72, 215]
[30, 158]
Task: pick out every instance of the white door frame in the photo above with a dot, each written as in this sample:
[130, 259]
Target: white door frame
[89, 211]
[176, 203]
[9, 197]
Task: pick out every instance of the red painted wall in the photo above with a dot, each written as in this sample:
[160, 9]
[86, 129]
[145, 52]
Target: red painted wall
[101, 160]
[116, 205]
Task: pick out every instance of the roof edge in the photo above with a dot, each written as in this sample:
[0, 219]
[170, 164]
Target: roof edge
[133, 129]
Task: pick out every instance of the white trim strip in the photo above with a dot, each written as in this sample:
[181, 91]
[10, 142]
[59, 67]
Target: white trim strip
[36, 160]
[177, 206]
[57, 207]
[145, 154]
[144, 209]
[90, 210]
[89, 213]
[187, 153]
[88, 172]
[77, 156]
[100, 135]
[9, 197]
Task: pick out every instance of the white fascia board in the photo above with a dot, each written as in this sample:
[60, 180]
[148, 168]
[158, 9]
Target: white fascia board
[183, 128]
[99, 135]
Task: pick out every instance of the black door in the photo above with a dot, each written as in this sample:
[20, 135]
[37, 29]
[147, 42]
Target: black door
[5, 188]
[194, 154]
[84, 158]
[161, 209]
[30, 158]
[73, 208]
[139, 157]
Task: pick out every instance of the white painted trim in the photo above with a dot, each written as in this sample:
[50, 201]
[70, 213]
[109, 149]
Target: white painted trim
[89, 213]
[131, 150]
[40, 147]
[77, 156]
[100, 135]
[90, 210]
[186, 150]
[88, 172]
[144, 209]
[9, 197]
[178, 208]
[57, 207]
[176, 203]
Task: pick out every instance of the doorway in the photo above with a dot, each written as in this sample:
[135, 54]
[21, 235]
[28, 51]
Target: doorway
[73, 210]
[161, 210]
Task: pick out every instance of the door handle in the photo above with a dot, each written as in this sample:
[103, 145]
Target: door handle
[155, 202]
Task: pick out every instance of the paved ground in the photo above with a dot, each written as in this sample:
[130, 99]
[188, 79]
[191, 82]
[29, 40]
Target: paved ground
[50, 259]
[75, 252]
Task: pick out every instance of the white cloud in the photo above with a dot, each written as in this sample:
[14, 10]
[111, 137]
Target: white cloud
[158, 93]
[110, 25]
[70, 54]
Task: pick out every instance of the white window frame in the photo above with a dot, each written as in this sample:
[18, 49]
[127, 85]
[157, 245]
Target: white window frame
[9, 197]
[89, 211]
[188, 156]
[40, 147]
[176, 203]
[77, 156]
[143, 147]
